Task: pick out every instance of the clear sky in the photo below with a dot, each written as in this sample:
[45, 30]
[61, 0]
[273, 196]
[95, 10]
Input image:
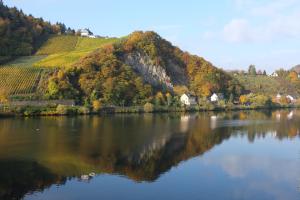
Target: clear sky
[231, 34]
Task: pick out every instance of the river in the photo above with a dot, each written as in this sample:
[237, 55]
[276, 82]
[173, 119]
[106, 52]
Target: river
[233, 155]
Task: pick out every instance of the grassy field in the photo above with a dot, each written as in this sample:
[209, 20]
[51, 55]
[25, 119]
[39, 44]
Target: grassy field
[267, 85]
[25, 61]
[90, 44]
[19, 79]
[66, 57]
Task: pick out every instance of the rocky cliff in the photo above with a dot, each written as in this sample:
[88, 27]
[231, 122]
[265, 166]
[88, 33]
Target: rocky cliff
[155, 74]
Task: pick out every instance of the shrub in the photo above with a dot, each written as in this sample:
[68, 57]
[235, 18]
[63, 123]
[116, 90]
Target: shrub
[243, 99]
[97, 105]
[260, 100]
[62, 109]
[30, 111]
[222, 103]
[148, 107]
[83, 110]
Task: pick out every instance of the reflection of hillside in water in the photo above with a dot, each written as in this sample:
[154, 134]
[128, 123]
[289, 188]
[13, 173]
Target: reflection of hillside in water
[141, 147]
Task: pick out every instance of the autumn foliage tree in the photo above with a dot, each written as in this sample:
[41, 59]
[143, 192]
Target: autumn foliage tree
[293, 77]
[3, 96]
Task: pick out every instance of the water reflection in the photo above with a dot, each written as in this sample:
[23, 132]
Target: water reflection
[38, 152]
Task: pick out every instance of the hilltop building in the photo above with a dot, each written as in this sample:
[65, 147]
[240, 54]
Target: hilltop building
[274, 74]
[86, 33]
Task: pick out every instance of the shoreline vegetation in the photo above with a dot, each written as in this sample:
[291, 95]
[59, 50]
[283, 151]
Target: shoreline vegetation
[63, 110]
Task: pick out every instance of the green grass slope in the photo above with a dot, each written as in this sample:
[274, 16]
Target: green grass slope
[90, 44]
[25, 61]
[62, 52]
[58, 44]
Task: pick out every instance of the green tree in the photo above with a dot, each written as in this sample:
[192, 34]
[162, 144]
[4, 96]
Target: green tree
[169, 99]
[252, 70]
[265, 73]
[159, 99]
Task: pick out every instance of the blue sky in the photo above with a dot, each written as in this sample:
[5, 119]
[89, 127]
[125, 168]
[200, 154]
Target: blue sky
[231, 34]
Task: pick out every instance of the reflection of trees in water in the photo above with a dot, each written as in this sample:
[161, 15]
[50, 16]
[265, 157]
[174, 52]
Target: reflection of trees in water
[142, 147]
[261, 124]
[21, 177]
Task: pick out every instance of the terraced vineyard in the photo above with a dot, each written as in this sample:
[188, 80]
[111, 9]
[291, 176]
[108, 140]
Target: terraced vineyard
[19, 80]
[64, 51]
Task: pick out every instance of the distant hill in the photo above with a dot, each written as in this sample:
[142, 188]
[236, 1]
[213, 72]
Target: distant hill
[268, 85]
[297, 69]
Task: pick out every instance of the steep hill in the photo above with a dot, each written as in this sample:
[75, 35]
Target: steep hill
[130, 71]
[296, 68]
[160, 63]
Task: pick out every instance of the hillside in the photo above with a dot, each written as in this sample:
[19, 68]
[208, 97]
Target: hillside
[132, 70]
[127, 71]
[57, 51]
[141, 67]
[19, 77]
[267, 85]
[19, 80]
[58, 44]
[64, 51]
[296, 68]
[21, 34]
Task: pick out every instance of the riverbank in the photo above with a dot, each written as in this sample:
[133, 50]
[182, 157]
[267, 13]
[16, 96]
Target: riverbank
[61, 110]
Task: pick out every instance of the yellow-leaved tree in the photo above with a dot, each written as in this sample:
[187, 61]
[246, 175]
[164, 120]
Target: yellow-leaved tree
[3, 96]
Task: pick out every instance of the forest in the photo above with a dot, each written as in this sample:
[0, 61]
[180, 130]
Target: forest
[22, 35]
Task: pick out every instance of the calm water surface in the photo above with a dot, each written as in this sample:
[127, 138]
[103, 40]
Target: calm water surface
[236, 155]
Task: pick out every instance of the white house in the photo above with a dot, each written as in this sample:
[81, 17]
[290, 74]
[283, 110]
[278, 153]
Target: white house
[214, 97]
[188, 100]
[289, 97]
[278, 96]
[86, 33]
[274, 74]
